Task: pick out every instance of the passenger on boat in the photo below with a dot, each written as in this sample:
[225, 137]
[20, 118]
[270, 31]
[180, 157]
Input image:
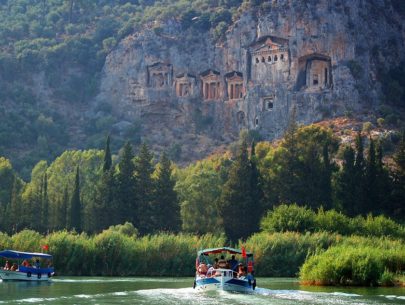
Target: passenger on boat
[25, 263]
[202, 269]
[216, 263]
[233, 263]
[241, 270]
[37, 264]
[7, 266]
[222, 263]
[14, 267]
[211, 271]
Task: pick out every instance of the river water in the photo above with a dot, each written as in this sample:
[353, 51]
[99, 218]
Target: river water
[178, 291]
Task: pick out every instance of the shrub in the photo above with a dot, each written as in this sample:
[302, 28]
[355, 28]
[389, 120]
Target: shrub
[289, 218]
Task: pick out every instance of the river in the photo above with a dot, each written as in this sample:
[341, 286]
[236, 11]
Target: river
[178, 291]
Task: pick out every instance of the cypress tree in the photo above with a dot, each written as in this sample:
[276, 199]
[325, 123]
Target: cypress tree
[144, 189]
[45, 203]
[256, 210]
[371, 188]
[107, 156]
[346, 183]
[15, 207]
[75, 221]
[166, 208]
[326, 180]
[104, 212]
[127, 205]
[384, 184]
[237, 205]
[62, 210]
[359, 166]
[397, 206]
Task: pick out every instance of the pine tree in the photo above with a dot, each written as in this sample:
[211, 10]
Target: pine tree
[75, 221]
[107, 156]
[126, 201]
[237, 205]
[165, 208]
[144, 189]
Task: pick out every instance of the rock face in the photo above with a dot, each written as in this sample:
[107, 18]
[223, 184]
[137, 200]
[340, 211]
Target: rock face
[185, 89]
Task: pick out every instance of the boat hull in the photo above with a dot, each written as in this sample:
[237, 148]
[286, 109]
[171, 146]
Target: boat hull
[223, 283]
[7, 275]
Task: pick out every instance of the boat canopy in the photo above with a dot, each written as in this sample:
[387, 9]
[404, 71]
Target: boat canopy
[223, 249]
[23, 255]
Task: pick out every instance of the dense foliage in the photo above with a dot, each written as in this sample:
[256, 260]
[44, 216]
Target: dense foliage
[92, 190]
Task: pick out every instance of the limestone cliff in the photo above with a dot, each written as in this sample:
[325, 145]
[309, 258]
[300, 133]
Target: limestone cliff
[291, 54]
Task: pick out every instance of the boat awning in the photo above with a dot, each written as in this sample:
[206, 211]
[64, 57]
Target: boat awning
[23, 255]
[220, 250]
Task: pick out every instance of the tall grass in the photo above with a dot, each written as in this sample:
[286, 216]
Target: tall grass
[115, 253]
[356, 261]
[326, 258]
[284, 218]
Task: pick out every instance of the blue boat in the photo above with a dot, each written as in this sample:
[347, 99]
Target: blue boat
[219, 274]
[21, 271]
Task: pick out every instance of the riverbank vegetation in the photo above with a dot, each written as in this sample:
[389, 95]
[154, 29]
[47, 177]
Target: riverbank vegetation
[319, 258]
[304, 195]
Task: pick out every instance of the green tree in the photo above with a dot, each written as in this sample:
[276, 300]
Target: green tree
[359, 166]
[126, 200]
[398, 193]
[371, 191]
[104, 211]
[15, 208]
[107, 156]
[62, 209]
[346, 183]
[45, 203]
[165, 208]
[199, 188]
[238, 206]
[144, 187]
[75, 220]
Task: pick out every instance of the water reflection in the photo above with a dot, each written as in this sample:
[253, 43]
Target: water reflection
[178, 291]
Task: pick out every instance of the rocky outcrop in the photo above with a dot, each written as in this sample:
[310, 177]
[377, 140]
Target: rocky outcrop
[185, 89]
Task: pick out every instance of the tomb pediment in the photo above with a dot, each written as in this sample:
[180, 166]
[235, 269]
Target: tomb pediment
[185, 84]
[159, 75]
[269, 43]
[211, 84]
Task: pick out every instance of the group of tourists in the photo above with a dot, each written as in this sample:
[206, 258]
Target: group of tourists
[25, 263]
[239, 270]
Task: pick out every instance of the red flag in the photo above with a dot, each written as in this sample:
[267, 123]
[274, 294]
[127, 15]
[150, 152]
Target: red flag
[244, 252]
[250, 267]
[45, 247]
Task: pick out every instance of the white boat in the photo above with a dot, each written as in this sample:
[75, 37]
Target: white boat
[25, 273]
[219, 278]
